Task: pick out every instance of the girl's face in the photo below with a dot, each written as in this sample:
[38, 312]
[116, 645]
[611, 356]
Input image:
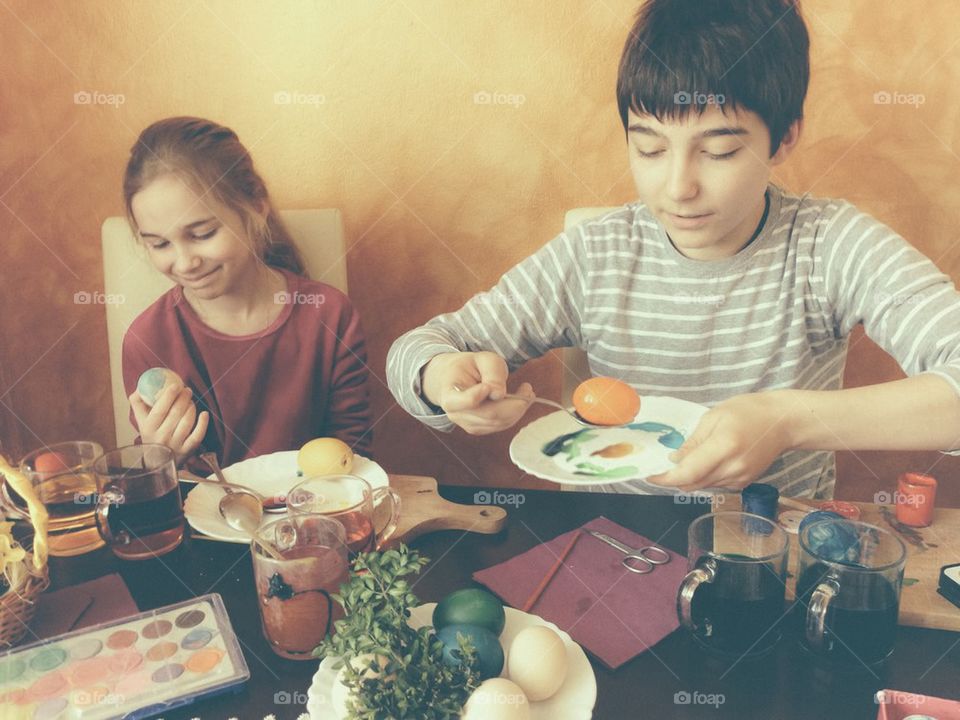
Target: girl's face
[196, 242]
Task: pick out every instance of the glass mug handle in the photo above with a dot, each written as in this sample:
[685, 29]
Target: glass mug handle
[110, 496]
[817, 611]
[704, 573]
[379, 496]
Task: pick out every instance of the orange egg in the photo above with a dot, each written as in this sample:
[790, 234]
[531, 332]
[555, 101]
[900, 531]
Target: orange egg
[50, 462]
[605, 401]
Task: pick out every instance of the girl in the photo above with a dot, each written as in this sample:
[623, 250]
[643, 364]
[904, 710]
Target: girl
[271, 358]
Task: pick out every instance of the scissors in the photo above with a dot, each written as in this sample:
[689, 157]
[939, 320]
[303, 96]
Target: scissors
[636, 560]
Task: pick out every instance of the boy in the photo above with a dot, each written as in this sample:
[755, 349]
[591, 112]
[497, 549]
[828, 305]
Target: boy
[711, 96]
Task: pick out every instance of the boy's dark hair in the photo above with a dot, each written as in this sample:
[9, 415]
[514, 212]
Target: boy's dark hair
[686, 54]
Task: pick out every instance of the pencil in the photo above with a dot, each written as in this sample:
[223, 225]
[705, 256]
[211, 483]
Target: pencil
[535, 595]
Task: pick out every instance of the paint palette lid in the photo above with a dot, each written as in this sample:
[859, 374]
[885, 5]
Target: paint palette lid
[132, 667]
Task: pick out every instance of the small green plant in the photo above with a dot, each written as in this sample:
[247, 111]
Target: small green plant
[408, 680]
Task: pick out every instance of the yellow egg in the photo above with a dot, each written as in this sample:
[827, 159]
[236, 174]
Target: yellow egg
[325, 456]
[537, 662]
[497, 699]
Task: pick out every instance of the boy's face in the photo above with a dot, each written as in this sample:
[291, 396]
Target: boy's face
[704, 177]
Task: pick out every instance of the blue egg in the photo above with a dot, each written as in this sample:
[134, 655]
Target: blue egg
[485, 642]
[153, 381]
[837, 541]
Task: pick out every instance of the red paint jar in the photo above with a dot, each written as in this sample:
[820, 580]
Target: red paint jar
[916, 495]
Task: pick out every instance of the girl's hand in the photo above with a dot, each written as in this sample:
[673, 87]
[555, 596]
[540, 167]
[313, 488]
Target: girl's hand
[172, 421]
[478, 406]
[733, 444]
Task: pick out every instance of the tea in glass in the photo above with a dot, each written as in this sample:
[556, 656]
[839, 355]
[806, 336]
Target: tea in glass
[63, 477]
[139, 512]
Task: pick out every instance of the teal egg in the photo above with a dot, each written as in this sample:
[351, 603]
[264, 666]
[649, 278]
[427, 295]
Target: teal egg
[488, 648]
[153, 381]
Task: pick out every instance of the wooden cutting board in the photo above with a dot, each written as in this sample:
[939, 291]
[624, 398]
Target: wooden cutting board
[422, 510]
[928, 549]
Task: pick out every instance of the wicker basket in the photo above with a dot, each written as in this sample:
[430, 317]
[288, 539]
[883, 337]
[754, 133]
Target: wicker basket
[19, 602]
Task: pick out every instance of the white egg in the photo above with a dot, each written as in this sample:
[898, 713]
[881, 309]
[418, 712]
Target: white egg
[537, 662]
[497, 699]
[341, 693]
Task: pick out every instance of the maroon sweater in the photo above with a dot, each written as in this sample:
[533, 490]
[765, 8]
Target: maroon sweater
[304, 376]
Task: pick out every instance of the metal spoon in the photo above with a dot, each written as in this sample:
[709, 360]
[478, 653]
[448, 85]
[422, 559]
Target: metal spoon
[242, 509]
[580, 420]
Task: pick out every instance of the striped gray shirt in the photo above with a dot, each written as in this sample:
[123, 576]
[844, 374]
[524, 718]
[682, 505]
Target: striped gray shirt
[775, 315]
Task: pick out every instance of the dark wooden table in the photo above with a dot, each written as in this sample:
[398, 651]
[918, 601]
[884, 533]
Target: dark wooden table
[785, 684]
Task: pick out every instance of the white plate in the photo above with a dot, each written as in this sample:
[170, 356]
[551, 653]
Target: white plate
[573, 701]
[269, 475]
[660, 427]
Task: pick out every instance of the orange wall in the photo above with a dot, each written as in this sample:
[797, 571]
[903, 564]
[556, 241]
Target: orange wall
[440, 194]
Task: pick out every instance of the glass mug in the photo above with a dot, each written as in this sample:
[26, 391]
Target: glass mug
[352, 501]
[63, 477]
[139, 512]
[848, 591]
[732, 598]
[294, 594]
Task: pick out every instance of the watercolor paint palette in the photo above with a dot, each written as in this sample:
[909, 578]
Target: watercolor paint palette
[133, 667]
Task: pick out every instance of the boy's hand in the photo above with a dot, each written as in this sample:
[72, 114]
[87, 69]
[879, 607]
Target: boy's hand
[172, 421]
[469, 387]
[733, 444]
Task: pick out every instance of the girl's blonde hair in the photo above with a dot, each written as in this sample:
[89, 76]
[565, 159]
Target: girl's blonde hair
[213, 160]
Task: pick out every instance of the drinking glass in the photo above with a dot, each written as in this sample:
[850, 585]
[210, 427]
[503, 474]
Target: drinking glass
[848, 591]
[732, 598]
[352, 501]
[63, 477]
[139, 512]
[294, 593]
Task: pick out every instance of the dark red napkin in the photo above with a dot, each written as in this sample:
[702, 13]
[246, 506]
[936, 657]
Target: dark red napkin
[79, 606]
[611, 612]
